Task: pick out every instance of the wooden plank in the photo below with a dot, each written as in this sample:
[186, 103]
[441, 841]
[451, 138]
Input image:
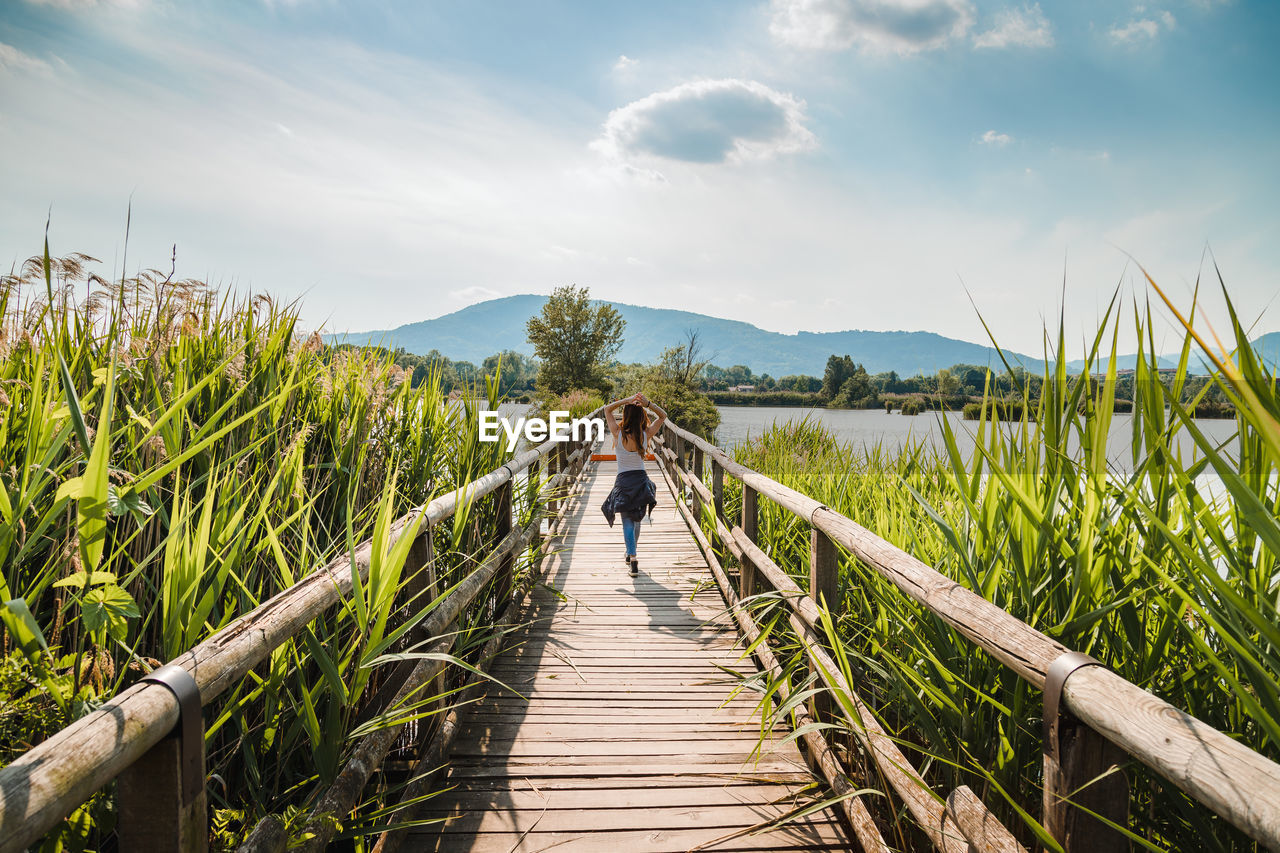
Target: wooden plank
[670, 817]
[625, 710]
[612, 787]
[772, 771]
[824, 837]
[622, 798]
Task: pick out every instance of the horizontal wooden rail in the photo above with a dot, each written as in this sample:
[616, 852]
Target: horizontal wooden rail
[436, 752]
[50, 780]
[1233, 781]
[855, 811]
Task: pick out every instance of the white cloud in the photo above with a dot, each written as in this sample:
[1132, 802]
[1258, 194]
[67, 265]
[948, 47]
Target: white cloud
[895, 26]
[1025, 27]
[12, 59]
[76, 5]
[707, 121]
[624, 63]
[1143, 29]
[999, 140]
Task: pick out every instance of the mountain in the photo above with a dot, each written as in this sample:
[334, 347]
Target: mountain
[480, 330]
[1267, 346]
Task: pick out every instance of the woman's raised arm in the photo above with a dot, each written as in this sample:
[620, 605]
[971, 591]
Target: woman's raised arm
[609, 419]
[658, 421]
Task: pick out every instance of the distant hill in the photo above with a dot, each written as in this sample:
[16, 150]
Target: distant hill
[480, 330]
[1268, 347]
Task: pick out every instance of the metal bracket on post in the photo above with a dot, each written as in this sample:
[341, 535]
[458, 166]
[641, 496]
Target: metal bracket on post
[1054, 679]
[1085, 795]
[190, 728]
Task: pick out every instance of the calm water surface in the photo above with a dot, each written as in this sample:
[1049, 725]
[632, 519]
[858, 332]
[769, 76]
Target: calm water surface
[867, 428]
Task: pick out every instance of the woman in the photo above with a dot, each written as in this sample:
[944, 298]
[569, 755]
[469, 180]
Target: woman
[633, 492]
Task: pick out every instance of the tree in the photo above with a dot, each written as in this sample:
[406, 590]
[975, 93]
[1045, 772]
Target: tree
[518, 371]
[685, 362]
[739, 374]
[948, 384]
[574, 340]
[838, 372]
[856, 390]
[672, 384]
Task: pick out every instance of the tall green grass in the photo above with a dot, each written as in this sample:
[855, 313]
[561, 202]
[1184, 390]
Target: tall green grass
[1169, 578]
[170, 458]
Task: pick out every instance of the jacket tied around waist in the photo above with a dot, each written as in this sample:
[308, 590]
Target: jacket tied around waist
[633, 496]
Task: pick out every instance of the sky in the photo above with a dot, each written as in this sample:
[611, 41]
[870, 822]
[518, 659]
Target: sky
[810, 165]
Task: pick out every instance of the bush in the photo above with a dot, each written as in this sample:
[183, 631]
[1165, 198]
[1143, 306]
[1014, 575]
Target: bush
[579, 403]
[997, 410]
[684, 406]
[799, 399]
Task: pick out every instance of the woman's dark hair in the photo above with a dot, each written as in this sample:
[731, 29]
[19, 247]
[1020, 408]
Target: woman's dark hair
[634, 424]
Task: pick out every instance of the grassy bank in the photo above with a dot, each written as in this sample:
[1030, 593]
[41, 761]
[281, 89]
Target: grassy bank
[1172, 586]
[170, 459]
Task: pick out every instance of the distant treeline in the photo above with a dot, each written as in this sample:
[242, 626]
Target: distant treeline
[808, 399]
[847, 385]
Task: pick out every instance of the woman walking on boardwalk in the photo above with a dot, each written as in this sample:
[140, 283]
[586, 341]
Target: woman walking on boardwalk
[633, 494]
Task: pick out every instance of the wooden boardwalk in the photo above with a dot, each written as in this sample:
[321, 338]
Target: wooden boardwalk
[629, 740]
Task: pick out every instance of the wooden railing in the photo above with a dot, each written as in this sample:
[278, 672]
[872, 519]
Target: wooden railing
[1093, 716]
[160, 790]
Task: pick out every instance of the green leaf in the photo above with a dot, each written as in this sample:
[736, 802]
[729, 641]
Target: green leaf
[128, 501]
[108, 607]
[73, 406]
[78, 579]
[327, 667]
[91, 509]
[70, 489]
[23, 628]
[137, 418]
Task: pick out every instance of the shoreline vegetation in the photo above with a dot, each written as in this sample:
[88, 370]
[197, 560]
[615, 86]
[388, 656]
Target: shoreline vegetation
[1173, 587]
[170, 458]
[1007, 406]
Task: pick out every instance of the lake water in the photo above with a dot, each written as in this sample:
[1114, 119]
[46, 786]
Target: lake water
[869, 427]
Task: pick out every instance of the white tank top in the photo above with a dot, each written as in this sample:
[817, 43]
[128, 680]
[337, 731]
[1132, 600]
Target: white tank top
[628, 460]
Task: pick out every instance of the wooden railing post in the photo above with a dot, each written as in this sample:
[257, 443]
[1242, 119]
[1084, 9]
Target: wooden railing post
[717, 487]
[503, 578]
[717, 502]
[161, 796]
[1082, 772]
[553, 468]
[751, 527]
[562, 465]
[697, 475]
[535, 472]
[824, 588]
[421, 587]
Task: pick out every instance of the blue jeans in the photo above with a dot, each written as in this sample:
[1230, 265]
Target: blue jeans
[630, 535]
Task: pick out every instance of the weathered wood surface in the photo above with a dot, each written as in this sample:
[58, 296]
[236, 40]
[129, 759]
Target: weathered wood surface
[47, 782]
[1226, 776]
[630, 739]
[985, 833]
[819, 752]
